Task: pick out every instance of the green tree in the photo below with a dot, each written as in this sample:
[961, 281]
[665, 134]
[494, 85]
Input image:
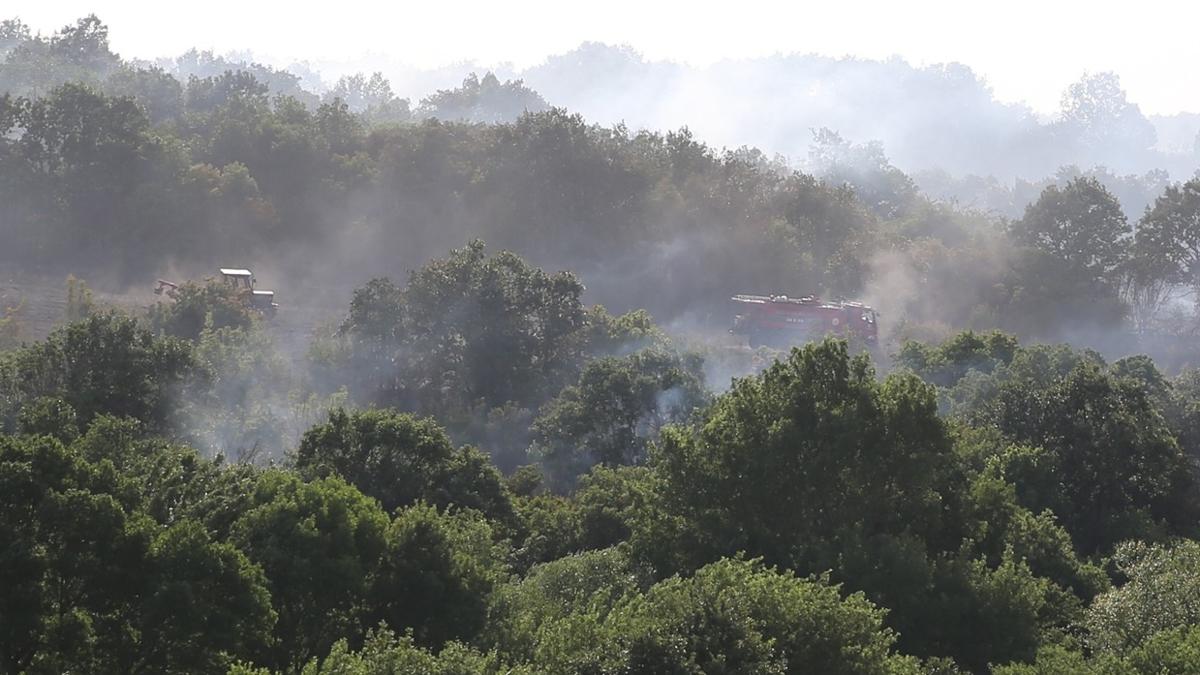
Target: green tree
[318, 544]
[1003, 529]
[51, 417]
[155, 90]
[1162, 592]
[613, 412]
[13, 32]
[947, 363]
[609, 506]
[1105, 461]
[77, 52]
[734, 616]
[386, 652]
[482, 100]
[787, 463]
[194, 307]
[400, 460]
[1081, 225]
[106, 364]
[1096, 108]
[1059, 660]
[371, 97]
[82, 161]
[528, 611]
[169, 482]
[204, 604]
[1182, 410]
[815, 465]
[1171, 652]
[95, 585]
[1169, 233]
[51, 575]
[79, 299]
[468, 330]
[436, 575]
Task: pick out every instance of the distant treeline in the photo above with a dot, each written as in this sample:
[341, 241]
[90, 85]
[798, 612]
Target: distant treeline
[126, 171]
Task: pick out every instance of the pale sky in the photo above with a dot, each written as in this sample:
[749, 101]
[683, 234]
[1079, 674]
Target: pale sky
[1027, 50]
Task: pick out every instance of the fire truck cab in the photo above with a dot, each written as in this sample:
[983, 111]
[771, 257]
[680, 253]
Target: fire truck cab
[781, 321]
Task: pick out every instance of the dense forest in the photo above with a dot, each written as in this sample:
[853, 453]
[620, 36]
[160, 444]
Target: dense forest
[523, 441]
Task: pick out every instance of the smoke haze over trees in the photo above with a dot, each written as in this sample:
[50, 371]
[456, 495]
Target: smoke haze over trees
[144, 170]
[496, 421]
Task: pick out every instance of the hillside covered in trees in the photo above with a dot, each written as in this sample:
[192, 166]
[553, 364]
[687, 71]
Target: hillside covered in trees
[524, 441]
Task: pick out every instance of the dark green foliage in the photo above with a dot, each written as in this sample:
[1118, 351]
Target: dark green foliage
[158, 92]
[318, 544]
[467, 330]
[754, 619]
[195, 306]
[436, 575]
[1043, 297]
[1171, 652]
[1182, 411]
[52, 417]
[608, 507]
[523, 614]
[613, 412]
[1106, 464]
[945, 364]
[105, 364]
[385, 652]
[169, 482]
[93, 585]
[953, 543]
[1002, 527]
[1078, 240]
[399, 460]
[817, 466]
[789, 462]
[228, 165]
[732, 616]
[205, 600]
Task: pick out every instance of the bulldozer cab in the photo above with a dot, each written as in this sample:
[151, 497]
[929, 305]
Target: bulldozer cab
[243, 280]
[240, 279]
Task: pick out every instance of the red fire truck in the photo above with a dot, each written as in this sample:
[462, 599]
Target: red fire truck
[780, 321]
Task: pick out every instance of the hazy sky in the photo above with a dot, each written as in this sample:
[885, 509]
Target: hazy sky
[1028, 50]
